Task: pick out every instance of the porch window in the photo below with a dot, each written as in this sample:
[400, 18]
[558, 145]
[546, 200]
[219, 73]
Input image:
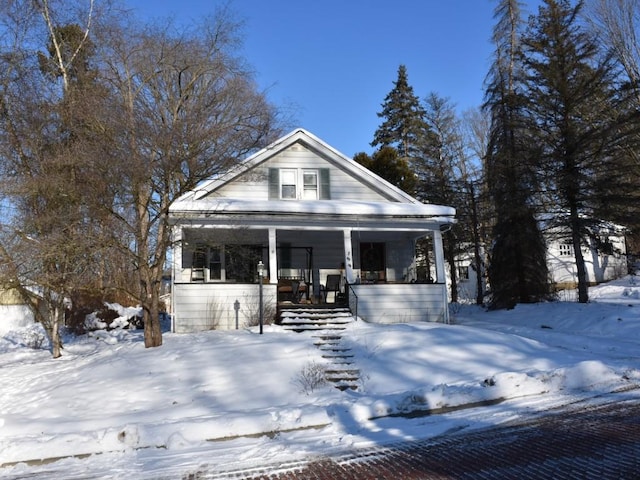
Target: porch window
[241, 261]
[372, 262]
[230, 263]
[198, 262]
[215, 263]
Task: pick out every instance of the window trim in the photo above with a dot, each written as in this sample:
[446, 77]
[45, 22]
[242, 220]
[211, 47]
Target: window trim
[283, 173]
[202, 260]
[565, 249]
[321, 188]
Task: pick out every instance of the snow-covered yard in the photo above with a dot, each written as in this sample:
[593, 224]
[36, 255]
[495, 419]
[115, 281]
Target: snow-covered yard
[109, 408]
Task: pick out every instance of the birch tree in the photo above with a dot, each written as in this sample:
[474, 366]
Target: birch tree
[46, 76]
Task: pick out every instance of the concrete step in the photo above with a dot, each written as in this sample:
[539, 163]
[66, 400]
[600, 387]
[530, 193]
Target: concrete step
[326, 326]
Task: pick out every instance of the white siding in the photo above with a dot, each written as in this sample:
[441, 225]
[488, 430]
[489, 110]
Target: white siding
[254, 184]
[400, 303]
[211, 306]
[600, 267]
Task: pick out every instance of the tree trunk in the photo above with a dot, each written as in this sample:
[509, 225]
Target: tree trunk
[477, 257]
[56, 341]
[151, 312]
[451, 258]
[583, 286]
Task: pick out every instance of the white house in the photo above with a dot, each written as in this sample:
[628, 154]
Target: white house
[605, 257]
[14, 311]
[310, 215]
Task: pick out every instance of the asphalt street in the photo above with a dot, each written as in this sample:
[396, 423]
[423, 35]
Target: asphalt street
[598, 442]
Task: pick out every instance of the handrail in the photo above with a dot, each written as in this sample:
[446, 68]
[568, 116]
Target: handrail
[355, 296]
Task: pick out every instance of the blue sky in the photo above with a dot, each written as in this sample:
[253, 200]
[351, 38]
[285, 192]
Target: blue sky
[334, 61]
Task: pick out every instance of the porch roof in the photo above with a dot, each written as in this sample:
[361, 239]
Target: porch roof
[210, 208]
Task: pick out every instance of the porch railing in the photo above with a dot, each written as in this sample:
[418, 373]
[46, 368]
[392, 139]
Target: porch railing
[352, 298]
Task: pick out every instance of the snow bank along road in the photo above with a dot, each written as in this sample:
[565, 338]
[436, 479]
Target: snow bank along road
[592, 442]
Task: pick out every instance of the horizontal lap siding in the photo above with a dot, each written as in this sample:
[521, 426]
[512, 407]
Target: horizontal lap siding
[399, 303]
[253, 185]
[207, 306]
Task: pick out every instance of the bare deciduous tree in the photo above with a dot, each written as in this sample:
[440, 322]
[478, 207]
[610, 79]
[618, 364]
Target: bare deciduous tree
[617, 23]
[187, 109]
[46, 244]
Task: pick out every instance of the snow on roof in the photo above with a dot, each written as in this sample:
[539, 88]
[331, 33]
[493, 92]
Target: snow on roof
[315, 207]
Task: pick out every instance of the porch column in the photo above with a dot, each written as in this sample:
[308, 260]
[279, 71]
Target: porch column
[273, 257]
[178, 245]
[440, 272]
[348, 256]
[176, 266]
[439, 254]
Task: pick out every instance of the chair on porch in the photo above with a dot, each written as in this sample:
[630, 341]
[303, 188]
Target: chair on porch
[333, 285]
[295, 291]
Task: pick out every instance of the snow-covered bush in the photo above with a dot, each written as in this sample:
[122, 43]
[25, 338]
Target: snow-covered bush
[113, 316]
[311, 377]
[32, 336]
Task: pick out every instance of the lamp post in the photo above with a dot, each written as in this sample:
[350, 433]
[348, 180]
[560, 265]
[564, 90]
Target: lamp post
[260, 276]
[236, 307]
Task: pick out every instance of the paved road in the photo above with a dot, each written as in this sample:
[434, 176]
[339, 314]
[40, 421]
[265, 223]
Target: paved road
[597, 442]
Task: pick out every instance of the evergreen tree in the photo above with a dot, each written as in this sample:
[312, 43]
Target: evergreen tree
[580, 121]
[403, 127]
[518, 270]
[387, 163]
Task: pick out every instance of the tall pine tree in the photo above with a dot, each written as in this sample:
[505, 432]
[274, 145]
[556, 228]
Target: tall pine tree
[518, 270]
[403, 127]
[581, 123]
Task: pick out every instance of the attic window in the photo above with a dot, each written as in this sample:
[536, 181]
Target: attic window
[299, 184]
[310, 184]
[288, 184]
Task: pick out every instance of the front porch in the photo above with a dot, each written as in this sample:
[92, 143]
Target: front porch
[207, 306]
[387, 271]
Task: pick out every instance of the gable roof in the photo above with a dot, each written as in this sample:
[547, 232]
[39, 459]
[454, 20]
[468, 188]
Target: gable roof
[315, 144]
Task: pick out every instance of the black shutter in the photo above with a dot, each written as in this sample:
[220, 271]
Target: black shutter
[274, 184]
[325, 185]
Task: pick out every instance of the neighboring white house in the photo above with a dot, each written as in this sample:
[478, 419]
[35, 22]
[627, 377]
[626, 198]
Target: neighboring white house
[605, 259]
[14, 312]
[308, 213]
[605, 255]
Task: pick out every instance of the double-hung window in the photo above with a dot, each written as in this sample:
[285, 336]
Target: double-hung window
[299, 184]
[288, 183]
[310, 184]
